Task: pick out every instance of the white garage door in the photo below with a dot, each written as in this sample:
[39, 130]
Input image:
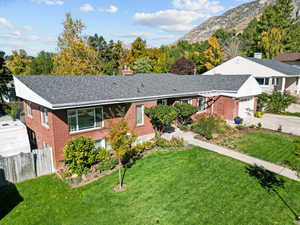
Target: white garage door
[246, 107]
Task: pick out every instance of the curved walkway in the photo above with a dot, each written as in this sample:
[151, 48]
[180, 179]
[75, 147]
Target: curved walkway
[189, 138]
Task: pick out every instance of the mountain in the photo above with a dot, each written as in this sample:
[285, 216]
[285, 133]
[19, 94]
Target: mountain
[234, 19]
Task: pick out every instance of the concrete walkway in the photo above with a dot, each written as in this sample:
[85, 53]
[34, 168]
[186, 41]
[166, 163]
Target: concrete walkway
[189, 138]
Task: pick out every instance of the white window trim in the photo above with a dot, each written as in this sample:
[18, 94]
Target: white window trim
[29, 109]
[143, 115]
[265, 85]
[42, 117]
[77, 124]
[205, 101]
[164, 101]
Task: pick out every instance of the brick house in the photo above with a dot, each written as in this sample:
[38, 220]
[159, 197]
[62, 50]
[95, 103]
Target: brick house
[59, 108]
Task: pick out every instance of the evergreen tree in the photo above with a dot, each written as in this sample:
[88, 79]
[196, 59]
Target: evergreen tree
[142, 65]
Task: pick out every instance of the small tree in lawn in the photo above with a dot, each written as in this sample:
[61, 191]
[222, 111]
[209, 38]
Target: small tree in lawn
[184, 112]
[183, 66]
[121, 143]
[161, 116]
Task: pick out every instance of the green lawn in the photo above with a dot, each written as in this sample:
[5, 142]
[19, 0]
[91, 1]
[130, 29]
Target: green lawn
[269, 146]
[179, 187]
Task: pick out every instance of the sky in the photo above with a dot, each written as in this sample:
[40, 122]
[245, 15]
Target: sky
[34, 25]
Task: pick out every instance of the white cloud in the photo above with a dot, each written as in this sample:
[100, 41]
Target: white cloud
[169, 20]
[17, 35]
[49, 2]
[27, 28]
[87, 8]
[4, 22]
[145, 35]
[111, 9]
[198, 5]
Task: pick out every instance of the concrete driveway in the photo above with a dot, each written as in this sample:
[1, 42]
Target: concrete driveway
[290, 124]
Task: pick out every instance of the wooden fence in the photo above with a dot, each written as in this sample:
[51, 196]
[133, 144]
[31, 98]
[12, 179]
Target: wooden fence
[25, 166]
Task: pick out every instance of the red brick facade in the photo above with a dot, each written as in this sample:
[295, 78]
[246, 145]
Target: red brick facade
[57, 133]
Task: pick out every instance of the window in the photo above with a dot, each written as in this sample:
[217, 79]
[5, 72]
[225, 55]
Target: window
[263, 81]
[163, 102]
[201, 104]
[46, 145]
[44, 116]
[188, 101]
[86, 118]
[100, 143]
[139, 115]
[275, 81]
[29, 109]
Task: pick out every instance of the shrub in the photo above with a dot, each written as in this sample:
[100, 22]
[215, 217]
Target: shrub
[210, 126]
[184, 112]
[161, 116]
[276, 102]
[173, 143]
[107, 164]
[80, 154]
[140, 148]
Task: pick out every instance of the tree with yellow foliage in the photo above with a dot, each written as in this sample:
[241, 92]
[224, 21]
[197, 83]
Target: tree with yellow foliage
[76, 57]
[271, 42]
[19, 62]
[213, 55]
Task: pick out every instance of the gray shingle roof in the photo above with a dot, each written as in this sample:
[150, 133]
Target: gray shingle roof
[59, 90]
[277, 65]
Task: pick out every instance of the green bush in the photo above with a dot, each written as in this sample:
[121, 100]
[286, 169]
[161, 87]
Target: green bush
[161, 116]
[107, 164]
[173, 143]
[140, 148]
[210, 126]
[80, 154]
[184, 112]
[276, 102]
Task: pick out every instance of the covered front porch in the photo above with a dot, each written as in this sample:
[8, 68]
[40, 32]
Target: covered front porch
[282, 84]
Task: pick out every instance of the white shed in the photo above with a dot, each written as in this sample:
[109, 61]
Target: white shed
[13, 138]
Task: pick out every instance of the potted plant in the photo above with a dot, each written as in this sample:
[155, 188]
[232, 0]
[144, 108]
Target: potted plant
[259, 114]
[238, 120]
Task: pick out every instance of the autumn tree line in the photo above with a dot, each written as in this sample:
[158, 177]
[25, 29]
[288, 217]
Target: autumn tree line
[275, 31]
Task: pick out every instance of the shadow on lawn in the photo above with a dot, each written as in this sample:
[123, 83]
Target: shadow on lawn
[9, 195]
[271, 183]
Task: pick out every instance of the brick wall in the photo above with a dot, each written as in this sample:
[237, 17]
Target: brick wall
[57, 134]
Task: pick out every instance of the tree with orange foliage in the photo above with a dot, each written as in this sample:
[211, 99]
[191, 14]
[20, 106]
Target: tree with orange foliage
[213, 55]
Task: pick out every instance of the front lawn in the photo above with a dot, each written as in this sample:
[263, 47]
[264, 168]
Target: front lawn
[177, 187]
[268, 146]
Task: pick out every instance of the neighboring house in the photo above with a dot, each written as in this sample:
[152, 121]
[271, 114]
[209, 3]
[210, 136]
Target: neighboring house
[10, 96]
[14, 138]
[59, 108]
[289, 58]
[270, 74]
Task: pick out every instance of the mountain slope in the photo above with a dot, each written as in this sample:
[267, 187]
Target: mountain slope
[234, 19]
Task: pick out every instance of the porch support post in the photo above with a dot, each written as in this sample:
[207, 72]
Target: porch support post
[298, 86]
[283, 81]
